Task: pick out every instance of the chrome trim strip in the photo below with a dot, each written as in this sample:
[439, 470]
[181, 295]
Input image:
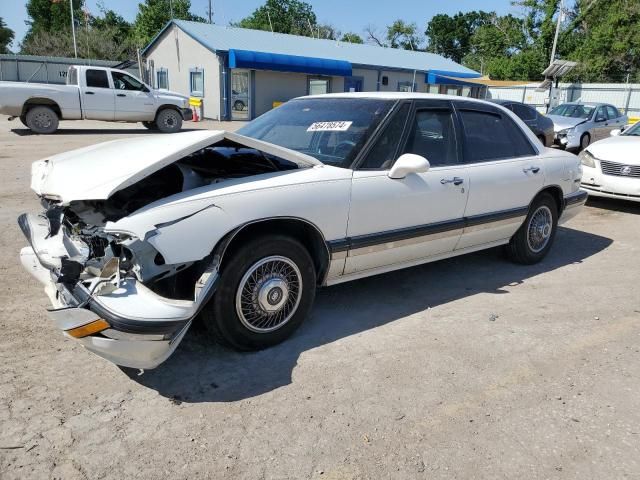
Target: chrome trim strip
[403, 243]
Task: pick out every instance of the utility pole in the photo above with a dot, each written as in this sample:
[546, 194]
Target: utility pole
[210, 13]
[171, 9]
[73, 29]
[555, 38]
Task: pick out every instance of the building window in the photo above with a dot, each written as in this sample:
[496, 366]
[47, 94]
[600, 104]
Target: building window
[407, 87]
[319, 86]
[196, 82]
[163, 78]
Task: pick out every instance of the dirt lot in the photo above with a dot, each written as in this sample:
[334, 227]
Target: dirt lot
[466, 368]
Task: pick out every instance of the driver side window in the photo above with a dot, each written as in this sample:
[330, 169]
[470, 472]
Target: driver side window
[122, 81]
[601, 114]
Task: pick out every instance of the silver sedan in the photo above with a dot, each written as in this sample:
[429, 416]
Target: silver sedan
[576, 125]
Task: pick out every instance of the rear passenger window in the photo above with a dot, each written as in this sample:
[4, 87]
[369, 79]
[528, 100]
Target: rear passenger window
[490, 136]
[434, 137]
[97, 79]
[612, 112]
[383, 153]
[524, 112]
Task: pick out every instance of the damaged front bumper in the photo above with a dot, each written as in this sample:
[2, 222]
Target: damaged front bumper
[127, 324]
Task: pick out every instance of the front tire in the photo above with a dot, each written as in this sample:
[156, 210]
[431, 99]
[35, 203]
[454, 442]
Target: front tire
[265, 292]
[585, 140]
[533, 240]
[42, 120]
[169, 121]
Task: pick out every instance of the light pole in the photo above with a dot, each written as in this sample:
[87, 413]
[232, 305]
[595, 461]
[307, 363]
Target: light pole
[73, 29]
[555, 38]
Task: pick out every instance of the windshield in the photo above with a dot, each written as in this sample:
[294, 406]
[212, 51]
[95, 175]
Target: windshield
[332, 130]
[573, 111]
[633, 131]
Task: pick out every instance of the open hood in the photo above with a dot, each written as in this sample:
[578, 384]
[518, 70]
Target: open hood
[98, 171]
[560, 122]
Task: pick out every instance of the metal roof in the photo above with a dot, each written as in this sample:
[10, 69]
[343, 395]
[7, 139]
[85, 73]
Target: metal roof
[219, 38]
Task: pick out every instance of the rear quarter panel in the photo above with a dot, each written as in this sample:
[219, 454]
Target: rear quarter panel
[13, 96]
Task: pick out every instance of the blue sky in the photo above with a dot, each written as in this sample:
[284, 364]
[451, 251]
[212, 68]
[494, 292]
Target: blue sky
[346, 15]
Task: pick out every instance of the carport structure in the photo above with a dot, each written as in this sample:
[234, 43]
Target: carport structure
[241, 73]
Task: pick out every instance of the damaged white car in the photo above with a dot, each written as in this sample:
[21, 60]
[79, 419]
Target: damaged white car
[141, 235]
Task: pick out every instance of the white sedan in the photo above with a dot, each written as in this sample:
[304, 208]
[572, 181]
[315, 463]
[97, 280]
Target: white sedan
[141, 235]
[611, 167]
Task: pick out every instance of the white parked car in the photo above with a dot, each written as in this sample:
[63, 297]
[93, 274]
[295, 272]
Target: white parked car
[611, 167]
[140, 235]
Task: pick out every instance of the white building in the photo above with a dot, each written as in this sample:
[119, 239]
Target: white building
[241, 73]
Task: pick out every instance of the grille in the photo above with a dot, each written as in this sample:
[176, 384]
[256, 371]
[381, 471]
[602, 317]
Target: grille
[619, 169]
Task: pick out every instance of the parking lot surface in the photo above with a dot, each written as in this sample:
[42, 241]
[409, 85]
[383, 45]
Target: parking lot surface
[466, 368]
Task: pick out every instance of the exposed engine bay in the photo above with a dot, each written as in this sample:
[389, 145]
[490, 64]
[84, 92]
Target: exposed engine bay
[98, 258]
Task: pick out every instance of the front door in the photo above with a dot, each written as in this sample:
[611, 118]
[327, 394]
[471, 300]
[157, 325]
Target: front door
[240, 94]
[601, 124]
[98, 98]
[505, 173]
[400, 221]
[134, 101]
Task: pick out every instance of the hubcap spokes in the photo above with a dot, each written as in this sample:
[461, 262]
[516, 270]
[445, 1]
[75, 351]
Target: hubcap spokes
[539, 229]
[269, 294]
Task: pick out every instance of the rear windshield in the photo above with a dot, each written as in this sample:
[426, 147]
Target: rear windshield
[573, 111]
[332, 130]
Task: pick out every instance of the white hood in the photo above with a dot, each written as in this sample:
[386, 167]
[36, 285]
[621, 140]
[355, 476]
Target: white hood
[621, 149]
[98, 171]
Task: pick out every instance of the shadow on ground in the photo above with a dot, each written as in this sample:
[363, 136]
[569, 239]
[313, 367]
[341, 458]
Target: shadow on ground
[25, 132]
[200, 372]
[617, 205]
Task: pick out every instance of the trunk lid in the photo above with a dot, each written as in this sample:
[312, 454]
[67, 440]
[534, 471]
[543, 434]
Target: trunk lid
[98, 171]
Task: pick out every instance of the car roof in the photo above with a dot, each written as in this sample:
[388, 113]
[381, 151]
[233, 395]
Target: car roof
[395, 96]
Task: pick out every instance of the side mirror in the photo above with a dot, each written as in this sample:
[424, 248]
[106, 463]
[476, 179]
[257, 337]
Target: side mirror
[616, 132]
[408, 163]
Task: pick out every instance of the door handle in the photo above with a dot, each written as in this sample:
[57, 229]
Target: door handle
[531, 169]
[121, 95]
[88, 93]
[454, 180]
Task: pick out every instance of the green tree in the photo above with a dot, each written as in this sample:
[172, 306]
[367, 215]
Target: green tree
[6, 37]
[351, 38]
[450, 36]
[401, 34]
[51, 15]
[283, 16]
[154, 14]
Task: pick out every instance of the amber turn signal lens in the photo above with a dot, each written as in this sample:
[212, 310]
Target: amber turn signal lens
[89, 329]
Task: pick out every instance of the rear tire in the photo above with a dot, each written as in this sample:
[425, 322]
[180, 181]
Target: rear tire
[168, 121]
[542, 140]
[264, 293]
[533, 240]
[150, 125]
[42, 120]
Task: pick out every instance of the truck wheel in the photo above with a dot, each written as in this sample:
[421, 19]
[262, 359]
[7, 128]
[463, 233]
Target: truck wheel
[42, 119]
[169, 121]
[265, 291]
[150, 125]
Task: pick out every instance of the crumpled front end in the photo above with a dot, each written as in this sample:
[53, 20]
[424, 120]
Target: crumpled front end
[112, 292]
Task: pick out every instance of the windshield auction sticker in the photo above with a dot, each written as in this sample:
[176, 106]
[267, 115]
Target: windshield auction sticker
[329, 127]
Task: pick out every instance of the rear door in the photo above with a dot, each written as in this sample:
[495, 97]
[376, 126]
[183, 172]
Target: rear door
[98, 98]
[398, 221]
[134, 101]
[505, 173]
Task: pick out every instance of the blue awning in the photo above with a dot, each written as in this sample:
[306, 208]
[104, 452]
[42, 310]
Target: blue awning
[443, 77]
[288, 63]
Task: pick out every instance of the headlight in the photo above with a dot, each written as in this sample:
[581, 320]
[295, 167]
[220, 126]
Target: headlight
[566, 131]
[587, 159]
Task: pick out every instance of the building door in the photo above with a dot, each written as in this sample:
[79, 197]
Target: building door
[353, 84]
[240, 95]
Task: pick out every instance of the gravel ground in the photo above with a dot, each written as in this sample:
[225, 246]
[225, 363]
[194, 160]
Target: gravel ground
[465, 368]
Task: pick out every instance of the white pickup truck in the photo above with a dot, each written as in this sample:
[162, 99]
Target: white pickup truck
[94, 93]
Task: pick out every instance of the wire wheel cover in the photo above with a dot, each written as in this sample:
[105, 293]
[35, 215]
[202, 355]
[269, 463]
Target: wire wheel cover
[269, 294]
